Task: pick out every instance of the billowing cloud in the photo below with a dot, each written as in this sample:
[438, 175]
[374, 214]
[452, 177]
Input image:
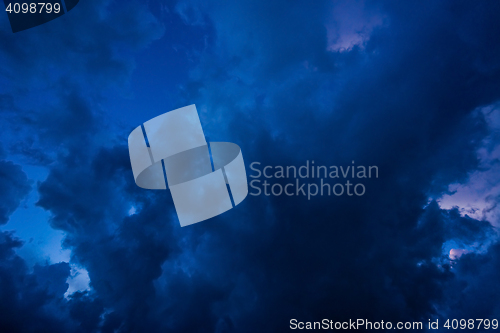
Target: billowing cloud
[37, 295]
[14, 186]
[268, 79]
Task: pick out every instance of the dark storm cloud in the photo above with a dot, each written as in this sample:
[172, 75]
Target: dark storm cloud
[30, 301]
[14, 186]
[403, 100]
[56, 76]
[123, 254]
[401, 106]
[88, 41]
[54, 80]
[475, 293]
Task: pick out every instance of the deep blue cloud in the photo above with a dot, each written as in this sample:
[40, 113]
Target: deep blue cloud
[270, 77]
[14, 186]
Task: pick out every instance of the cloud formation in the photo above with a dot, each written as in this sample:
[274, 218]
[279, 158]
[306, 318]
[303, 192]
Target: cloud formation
[403, 97]
[14, 186]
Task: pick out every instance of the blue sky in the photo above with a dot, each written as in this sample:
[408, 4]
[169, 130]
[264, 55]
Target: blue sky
[409, 87]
